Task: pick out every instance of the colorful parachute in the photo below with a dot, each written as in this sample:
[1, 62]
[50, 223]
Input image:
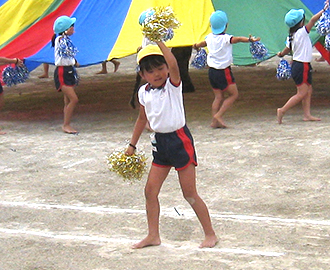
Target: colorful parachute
[110, 29]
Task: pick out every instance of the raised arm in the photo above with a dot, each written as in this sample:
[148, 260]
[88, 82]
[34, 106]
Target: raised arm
[317, 16]
[171, 62]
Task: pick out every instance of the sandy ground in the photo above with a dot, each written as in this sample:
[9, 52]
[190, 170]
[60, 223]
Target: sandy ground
[266, 185]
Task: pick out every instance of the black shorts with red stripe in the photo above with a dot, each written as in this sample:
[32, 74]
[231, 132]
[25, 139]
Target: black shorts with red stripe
[65, 76]
[301, 73]
[221, 78]
[174, 149]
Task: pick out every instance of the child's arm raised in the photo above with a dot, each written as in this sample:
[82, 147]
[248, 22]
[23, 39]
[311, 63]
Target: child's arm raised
[317, 16]
[171, 63]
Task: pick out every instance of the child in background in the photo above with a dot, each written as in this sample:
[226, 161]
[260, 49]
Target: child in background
[6, 61]
[104, 69]
[65, 75]
[300, 44]
[219, 59]
[161, 103]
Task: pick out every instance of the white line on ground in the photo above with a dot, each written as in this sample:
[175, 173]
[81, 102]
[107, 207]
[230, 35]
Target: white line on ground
[77, 163]
[167, 212]
[93, 239]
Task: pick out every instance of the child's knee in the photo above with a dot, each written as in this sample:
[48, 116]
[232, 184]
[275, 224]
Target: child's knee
[190, 200]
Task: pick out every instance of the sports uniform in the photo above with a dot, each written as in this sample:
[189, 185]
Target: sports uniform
[302, 56]
[219, 60]
[65, 72]
[172, 142]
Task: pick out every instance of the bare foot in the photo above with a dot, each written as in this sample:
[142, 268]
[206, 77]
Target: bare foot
[311, 118]
[279, 115]
[68, 129]
[147, 242]
[116, 63]
[209, 241]
[102, 72]
[217, 122]
[43, 76]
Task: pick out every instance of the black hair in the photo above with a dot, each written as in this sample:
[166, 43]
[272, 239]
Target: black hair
[293, 30]
[54, 36]
[53, 40]
[151, 61]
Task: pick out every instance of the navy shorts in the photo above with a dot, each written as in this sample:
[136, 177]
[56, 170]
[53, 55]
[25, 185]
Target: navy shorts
[65, 75]
[174, 149]
[301, 73]
[221, 78]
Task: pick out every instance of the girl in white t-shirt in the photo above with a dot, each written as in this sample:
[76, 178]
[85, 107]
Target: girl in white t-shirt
[65, 76]
[219, 59]
[300, 44]
[161, 103]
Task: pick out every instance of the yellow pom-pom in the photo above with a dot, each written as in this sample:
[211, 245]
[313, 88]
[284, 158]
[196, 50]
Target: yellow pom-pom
[131, 168]
[160, 24]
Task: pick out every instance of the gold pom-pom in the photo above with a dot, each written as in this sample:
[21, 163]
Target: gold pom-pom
[159, 25]
[131, 168]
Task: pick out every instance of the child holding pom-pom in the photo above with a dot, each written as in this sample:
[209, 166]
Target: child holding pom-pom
[6, 61]
[65, 75]
[219, 60]
[300, 44]
[161, 103]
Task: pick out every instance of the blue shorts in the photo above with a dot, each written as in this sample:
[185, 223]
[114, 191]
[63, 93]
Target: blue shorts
[174, 149]
[65, 75]
[301, 73]
[221, 78]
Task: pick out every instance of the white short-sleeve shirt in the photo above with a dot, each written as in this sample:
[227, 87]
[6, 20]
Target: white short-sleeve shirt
[62, 61]
[302, 47]
[220, 54]
[164, 107]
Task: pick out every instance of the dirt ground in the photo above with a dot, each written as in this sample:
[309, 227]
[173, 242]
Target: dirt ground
[266, 185]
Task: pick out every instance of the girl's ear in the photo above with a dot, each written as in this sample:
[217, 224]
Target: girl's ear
[141, 74]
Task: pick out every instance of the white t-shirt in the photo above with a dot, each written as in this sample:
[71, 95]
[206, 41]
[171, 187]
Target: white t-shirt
[220, 54]
[62, 61]
[302, 47]
[164, 107]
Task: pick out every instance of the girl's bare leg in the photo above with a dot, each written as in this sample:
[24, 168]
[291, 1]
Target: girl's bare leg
[115, 63]
[187, 179]
[155, 181]
[217, 102]
[46, 71]
[104, 68]
[70, 102]
[306, 104]
[227, 103]
[302, 91]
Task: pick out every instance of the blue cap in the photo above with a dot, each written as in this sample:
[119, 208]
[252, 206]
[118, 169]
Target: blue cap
[294, 16]
[63, 23]
[145, 14]
[218, 22]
